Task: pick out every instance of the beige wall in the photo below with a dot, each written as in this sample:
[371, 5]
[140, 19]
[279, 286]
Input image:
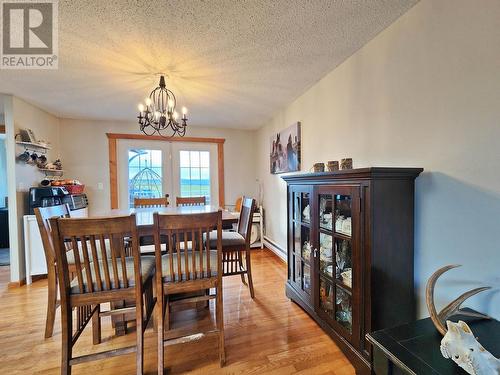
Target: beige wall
[45, 126]
[425, 93]
[84, 148]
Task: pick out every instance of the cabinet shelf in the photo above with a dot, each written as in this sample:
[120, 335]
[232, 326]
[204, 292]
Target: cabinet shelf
[337, 282]
[342, 236]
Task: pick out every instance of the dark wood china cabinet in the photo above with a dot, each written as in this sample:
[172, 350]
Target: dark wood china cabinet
[350, 252]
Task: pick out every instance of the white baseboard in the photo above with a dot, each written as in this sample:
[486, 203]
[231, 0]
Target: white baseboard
[275, 248]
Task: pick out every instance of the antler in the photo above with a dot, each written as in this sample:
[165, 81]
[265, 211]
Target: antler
[453, 307]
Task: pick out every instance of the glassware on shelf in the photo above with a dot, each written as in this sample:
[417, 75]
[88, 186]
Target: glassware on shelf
[325, 211]
[306, 250]
[326, 254]
[343, 224]
[343, 256]
[305, 208]
[346, 277]
[306, 214]
[343, 308]
[306, 279]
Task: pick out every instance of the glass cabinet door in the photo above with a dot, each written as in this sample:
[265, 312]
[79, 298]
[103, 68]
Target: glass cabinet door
[301, 247]
[338, 208]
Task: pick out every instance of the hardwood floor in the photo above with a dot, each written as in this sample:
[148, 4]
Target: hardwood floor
[267, 335]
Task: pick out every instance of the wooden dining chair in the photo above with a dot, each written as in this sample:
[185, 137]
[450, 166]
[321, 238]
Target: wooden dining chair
[151, 202]
[186, 269]
[113, 277]
[190, 201]
[43, 214]
[235, 243]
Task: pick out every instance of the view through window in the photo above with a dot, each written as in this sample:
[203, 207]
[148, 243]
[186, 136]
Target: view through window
[144, 174]
[195, 174]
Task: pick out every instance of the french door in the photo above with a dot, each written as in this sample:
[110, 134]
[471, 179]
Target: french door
[150, 168]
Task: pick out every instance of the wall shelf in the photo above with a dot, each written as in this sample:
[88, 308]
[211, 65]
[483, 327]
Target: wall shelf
[52, 172]
[33, 145]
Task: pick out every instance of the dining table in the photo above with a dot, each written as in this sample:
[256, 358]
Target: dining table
[144, 216]
[144, 220]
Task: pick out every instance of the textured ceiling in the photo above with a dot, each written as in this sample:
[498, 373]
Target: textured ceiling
[232, 63]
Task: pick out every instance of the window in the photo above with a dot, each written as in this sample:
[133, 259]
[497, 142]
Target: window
[195, 174]
[144, 174]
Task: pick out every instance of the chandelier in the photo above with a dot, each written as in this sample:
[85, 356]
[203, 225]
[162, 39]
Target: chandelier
[158, 114]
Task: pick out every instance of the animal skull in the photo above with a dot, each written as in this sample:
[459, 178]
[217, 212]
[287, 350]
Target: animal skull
[459, 342]
[461, 346]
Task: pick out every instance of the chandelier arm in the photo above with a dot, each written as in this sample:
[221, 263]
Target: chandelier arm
[146, 132]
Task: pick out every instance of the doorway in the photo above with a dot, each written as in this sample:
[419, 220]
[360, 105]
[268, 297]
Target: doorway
[151, 169]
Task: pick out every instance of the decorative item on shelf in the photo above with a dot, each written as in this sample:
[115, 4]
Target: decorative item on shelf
[306, 213]
[55, 166]
[342, 258]
[344, 309]
[346, 163]
[285, 150]
[327, 220]
[343, 225]
[27, 135]
[460, 345]
[158, 114]
[26, 138]
[326, 302]
[319, 167]
[346, 227]
[306, 249]
[58, 164]
[41, 162]
[326, 245]
[347, 277]
[332, 165]
[458, 342]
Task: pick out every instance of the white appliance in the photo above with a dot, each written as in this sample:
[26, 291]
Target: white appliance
[257, 231]
[34, 255]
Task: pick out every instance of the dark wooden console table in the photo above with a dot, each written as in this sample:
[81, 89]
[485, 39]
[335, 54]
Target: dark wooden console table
[414, 348]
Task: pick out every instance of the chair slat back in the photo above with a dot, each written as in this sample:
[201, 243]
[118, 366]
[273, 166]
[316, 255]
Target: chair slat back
[246, 218]
[188, 245]
[43, 214]
[190, 201]
[151, 202]
[96, 272]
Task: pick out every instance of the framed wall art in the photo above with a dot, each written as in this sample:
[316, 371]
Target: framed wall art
[285, 150]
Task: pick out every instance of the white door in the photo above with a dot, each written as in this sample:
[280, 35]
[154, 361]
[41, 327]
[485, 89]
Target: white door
[144, 170]
[150, 169]
[195, 172]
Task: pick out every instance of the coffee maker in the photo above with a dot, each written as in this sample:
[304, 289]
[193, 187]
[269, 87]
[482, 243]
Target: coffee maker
[46, 197]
